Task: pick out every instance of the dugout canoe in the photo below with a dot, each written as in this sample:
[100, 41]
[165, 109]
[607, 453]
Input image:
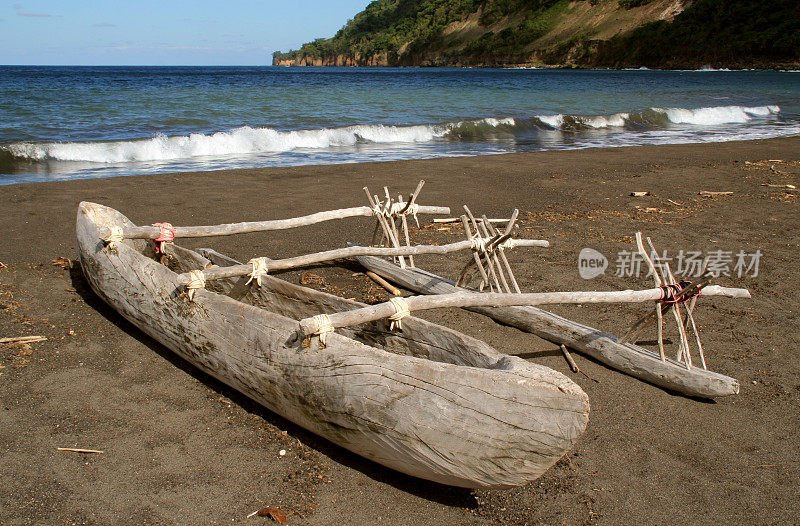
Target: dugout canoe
[628, 358]
[428, 401]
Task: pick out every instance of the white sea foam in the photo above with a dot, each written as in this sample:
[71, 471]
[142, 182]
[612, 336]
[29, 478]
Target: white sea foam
[239, 141]
[244, 140]
[717, 115]
[554, 121]
[700, 116]
[604, 121]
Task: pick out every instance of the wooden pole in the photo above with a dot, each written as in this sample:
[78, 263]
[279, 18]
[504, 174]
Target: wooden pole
[658, 282]
[394, 291]
[152, 232]
[349, 252]
[491, 299]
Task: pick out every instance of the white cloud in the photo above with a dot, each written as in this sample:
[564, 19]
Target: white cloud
[21, 12]
[104, 24]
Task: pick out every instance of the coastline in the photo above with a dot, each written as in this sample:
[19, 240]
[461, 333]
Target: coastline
[179, 444]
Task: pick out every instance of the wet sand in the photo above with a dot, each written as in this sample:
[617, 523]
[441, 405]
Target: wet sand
[181, 448]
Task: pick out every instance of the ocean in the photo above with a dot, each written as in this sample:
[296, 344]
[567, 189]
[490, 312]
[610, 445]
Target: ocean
[61, 123]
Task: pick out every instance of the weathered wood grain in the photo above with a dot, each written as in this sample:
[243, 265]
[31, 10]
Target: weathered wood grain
[348, 252]
[606, 348]
[496, 422]
[151, 232]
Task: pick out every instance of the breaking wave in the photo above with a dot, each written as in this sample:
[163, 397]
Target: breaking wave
[245, 140]
[659, 117]
[248, 140]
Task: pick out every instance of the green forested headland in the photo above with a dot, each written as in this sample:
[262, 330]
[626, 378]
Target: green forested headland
[588, 33]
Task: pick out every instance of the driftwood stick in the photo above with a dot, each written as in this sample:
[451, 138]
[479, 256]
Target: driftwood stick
[676, 311]
[690, 318]
[404, 221]
[491, 299]
[457, 219]
[387, 223]
[483, 233]
[375, 203]
[391, 219]
[501, 251]
[391, 227]
[658, 282]
[491, 232]
[475, 257]
[412, 200]
[570, 360]
[509, 230]
[23, 339]
[349, 252]
[78, 450]
[684, 351]
[152, 232]
[383, 283]
[668, 279]
[709, 193]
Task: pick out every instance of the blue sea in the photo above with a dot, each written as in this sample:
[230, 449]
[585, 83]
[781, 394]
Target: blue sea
[61, 123]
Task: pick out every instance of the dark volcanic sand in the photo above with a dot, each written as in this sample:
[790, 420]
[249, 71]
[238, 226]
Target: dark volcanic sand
[181, 448]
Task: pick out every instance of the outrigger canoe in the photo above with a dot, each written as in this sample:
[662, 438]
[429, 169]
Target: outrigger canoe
[427, 401]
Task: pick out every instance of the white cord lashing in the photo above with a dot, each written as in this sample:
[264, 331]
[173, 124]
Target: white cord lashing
[401, 311]
[260, 268]
[197, 280]
[324, 326]
[478, 243]
[115, 236]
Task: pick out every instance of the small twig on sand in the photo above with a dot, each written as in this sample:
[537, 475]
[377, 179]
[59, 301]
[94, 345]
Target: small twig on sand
[23, 339]
[786, 186]
[570, 360]
[709, 193]
[775, 170]
[458, 220]
[78, 450]
[674, 202]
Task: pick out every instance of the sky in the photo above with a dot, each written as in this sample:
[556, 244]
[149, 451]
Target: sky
[164, 32]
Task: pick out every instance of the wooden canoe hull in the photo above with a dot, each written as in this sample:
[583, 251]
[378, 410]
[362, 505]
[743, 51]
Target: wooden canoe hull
[487, 420]
[626, 357]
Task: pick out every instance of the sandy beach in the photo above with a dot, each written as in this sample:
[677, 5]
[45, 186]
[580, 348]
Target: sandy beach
[179, 447]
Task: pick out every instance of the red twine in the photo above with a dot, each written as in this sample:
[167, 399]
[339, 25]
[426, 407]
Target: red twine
[166, 235]
[670, 293]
